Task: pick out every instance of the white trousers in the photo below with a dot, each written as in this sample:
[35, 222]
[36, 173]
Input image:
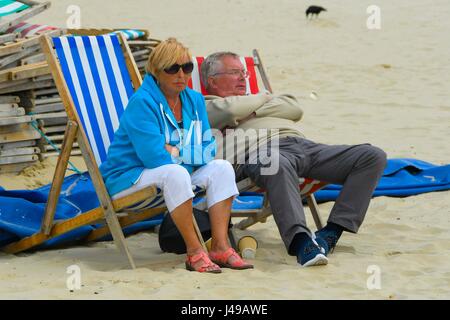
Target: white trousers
[217, 178]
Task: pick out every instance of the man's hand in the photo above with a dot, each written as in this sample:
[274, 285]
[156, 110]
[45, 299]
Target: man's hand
[172, 150]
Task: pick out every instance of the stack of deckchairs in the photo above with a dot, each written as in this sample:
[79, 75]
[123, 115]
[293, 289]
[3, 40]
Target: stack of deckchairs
[141, 50]
[32, 116]
[22, 70]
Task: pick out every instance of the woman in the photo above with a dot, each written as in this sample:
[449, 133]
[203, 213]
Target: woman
[164, 139]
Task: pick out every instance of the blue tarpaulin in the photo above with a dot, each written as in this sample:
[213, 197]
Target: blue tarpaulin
[21, 211]
[401, 178]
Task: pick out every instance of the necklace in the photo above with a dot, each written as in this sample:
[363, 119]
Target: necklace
[173, 108]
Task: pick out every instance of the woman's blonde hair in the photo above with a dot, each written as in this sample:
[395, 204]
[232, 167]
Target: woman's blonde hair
[165, 54]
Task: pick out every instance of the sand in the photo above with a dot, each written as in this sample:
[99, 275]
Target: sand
[388, 87]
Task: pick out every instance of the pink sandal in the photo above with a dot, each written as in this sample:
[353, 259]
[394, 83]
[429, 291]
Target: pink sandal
[204, 266]
[221, 259]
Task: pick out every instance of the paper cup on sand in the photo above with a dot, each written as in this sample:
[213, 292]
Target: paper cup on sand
[247, 247]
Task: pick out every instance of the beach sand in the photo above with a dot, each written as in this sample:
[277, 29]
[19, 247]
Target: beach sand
[388, 87]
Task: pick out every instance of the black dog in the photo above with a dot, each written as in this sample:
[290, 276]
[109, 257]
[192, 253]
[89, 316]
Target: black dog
[314, 10]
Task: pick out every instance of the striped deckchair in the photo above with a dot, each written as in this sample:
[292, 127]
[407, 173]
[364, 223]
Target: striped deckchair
[307, 186]
[14, 12]
[95, 77]
[131, 34]
[28, 29]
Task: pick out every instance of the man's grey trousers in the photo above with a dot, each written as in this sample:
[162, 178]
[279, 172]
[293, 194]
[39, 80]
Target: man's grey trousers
[357, 167]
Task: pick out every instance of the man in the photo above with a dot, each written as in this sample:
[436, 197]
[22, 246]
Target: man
[357, 167]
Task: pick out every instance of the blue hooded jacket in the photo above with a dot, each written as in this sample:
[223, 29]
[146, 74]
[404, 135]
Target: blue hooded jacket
[146, 125]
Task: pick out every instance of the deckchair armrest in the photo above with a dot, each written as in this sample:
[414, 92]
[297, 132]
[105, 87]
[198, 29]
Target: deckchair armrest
[137, 196]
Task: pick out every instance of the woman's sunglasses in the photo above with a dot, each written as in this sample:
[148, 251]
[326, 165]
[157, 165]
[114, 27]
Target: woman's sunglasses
[173, 69]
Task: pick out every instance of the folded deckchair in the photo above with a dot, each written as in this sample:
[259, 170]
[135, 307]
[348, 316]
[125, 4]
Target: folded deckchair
[14, 12]
[28, 29]
[307, 186]
[95, 77]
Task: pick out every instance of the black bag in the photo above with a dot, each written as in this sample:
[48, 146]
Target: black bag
[170, 239]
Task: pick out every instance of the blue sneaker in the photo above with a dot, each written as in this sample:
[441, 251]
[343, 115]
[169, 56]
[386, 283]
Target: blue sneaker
[322, 244]
[311, 254]
[327, 238]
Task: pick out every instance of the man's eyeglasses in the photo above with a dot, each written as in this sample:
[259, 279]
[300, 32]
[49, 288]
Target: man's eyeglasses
[235, 73]
[173, 69]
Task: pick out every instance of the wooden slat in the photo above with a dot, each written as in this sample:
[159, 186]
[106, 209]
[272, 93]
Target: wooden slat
[102, 193]
[262, 71]
[15, 167]
[20, 144]
[58, 229]
[15, 120]
[17, 56]
[7, 83]
[51, 115]
[43, 77]
[150, 42]
[125, 221]
[5, 107]
[24, 134]
[33, 59]
[33, 70]
[43, 92]
[56, 137]
[254, 218]
[131, 64]
[311, 200]
[14, 112]
[9, 37]
[49, 147]
[54, 121]
[45, 100]
[54, 129]
[9, 99]
[44, 155]
[136, 197]
[19, 151]
[17, 46]
[58, 177]
[18, 159]
[27, 85]
[52, 107]
[140, 53]
[58, 78]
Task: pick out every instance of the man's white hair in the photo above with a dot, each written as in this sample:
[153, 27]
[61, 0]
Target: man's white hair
[212, 64]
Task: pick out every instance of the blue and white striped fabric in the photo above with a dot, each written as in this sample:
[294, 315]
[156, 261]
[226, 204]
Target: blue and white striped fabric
[131, 34]
[97, 77]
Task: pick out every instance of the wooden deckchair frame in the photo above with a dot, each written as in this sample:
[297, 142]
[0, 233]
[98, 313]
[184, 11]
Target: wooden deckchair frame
[246, 184]
[15, 18]
[108, 209]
